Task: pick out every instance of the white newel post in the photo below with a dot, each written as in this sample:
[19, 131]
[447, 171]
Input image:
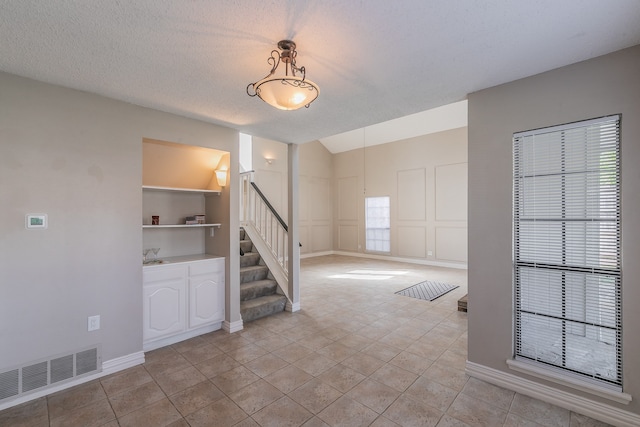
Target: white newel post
[293, 242]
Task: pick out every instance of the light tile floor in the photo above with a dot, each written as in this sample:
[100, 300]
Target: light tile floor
[355, 355]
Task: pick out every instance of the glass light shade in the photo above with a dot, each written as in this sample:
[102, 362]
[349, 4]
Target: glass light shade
[221, 176]
[287, 93]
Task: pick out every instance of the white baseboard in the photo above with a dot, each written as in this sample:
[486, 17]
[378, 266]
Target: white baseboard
[591, 408]
[121, 363]
[108, 367]
[419, 261]
[232, 327]
[163, 342]
[316, 254]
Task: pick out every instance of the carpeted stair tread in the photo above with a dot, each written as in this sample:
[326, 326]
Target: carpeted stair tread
[249, 258]
[256, 289]
[258, 297]
[246, 245]
[261, 307]
[253, 272]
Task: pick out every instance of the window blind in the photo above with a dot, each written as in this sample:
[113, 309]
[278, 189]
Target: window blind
[378, 224]
[567, 249]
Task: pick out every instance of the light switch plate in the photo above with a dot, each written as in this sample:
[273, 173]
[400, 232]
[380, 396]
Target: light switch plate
[93, 323]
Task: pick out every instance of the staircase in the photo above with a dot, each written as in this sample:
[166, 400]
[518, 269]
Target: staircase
[259, 293]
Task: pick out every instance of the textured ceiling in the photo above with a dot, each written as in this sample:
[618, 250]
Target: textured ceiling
[374, 60]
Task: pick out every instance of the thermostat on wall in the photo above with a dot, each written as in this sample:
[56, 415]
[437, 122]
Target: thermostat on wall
[36, 221]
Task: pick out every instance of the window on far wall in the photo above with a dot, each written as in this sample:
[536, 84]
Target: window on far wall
[378, 224]
[567, 250]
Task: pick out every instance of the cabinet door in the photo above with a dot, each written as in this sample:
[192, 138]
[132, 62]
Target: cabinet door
[164, 304]
[206, 294]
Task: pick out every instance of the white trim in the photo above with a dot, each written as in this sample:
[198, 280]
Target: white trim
[292, 307]
[400, 259]
[565, 380]
[315, 254]
[121, 363]
[232, 327]
[108, 367]
[591, 408]
[163, 342]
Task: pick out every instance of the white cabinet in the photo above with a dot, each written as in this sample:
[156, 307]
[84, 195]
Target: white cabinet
[164, 306]
[206, 292]
[182, 299]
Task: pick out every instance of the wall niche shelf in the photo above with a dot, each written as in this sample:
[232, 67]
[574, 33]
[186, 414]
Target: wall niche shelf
[181, 190]
[173, 204]
[180, 225]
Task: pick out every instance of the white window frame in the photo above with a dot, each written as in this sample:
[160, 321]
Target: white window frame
[567, 248]
[377, 220]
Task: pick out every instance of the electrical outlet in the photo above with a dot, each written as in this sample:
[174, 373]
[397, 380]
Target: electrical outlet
[93, 323]
[429, 253]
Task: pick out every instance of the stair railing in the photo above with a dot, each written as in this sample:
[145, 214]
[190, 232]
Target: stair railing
[260, 219]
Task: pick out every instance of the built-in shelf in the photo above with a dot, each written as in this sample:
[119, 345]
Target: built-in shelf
[180, 225]
[183, 190]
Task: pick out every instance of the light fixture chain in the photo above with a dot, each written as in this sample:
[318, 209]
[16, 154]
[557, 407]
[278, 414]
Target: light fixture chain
[364, 161]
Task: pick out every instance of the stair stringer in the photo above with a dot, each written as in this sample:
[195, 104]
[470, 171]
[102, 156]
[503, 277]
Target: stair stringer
[276, 270]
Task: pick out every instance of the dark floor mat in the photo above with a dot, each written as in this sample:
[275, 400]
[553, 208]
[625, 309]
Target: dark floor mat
[427, 290]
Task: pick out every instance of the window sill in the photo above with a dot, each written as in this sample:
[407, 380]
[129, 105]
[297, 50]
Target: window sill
[611, 393]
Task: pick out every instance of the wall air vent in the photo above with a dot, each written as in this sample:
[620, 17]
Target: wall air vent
[86, 361]
[61, 368]
[35, 376]
[9, 382]
[45, 373]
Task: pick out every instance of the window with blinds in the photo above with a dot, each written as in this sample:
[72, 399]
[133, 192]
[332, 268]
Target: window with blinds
[378, 224]
[567, 249]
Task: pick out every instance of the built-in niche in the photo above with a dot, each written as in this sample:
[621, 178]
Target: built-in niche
[179, 182]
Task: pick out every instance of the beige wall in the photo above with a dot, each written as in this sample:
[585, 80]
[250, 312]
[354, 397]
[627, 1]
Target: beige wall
[594, 88]
[426, 180]
[316, 198]
[271, 178]
[315, 185]
[167, 164]
[78, 158]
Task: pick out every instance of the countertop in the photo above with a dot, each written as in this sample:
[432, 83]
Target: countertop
[182, 258]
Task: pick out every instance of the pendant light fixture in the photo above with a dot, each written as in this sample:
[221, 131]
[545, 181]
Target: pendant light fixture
[288, 90]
